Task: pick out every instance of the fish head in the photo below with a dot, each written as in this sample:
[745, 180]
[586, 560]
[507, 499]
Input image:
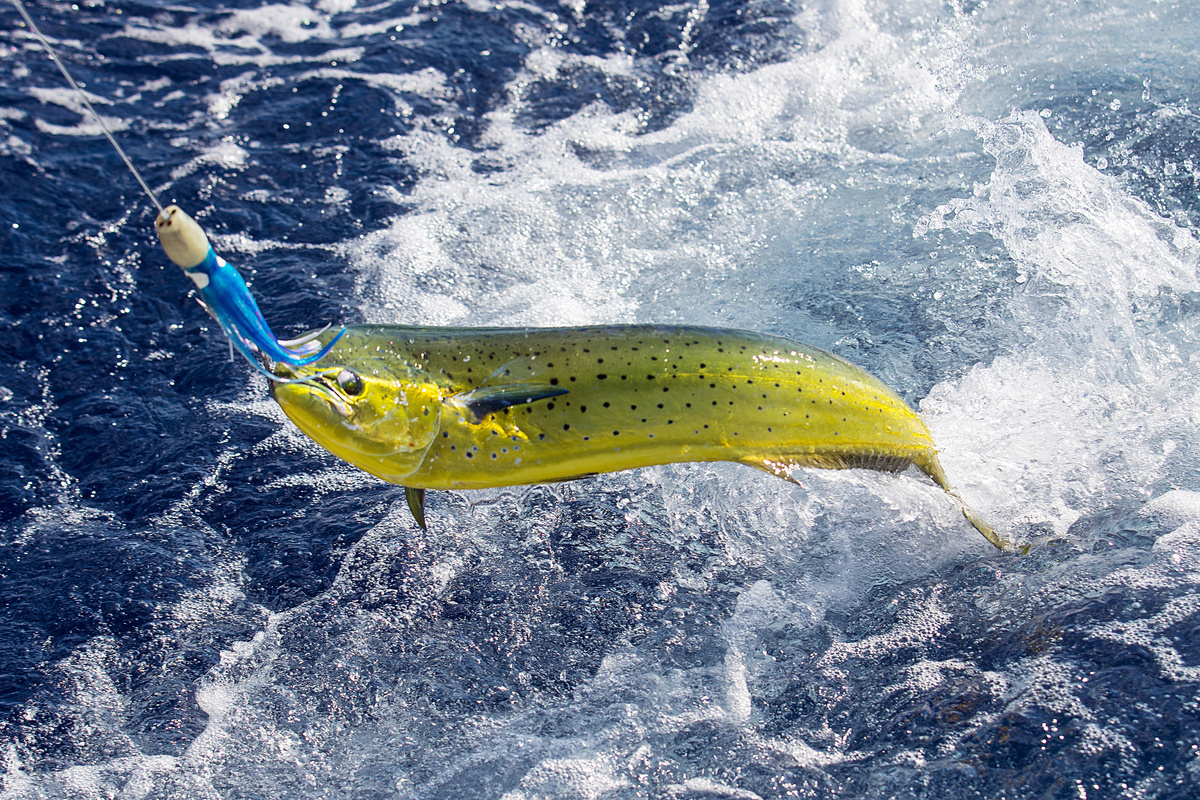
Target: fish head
[379, 417]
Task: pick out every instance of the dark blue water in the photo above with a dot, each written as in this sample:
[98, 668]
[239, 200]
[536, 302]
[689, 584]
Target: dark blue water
[993, 206]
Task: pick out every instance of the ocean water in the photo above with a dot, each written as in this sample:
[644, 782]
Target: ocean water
[991, 205]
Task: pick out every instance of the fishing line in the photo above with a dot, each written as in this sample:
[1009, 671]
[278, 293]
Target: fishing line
[63, 69]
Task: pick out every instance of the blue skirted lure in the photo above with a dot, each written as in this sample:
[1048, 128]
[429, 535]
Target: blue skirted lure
[219, 287]
[224, 295]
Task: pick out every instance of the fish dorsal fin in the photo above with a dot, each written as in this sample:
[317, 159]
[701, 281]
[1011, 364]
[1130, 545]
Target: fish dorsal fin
[486, 400]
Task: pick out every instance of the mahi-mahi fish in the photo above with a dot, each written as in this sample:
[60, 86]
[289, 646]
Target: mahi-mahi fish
[471, 408]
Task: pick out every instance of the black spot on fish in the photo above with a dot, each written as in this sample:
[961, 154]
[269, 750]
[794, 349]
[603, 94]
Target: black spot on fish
[470, 455]
[616, 433]
[566, 427]
[602, 376]
[583, 409]
[554, 381]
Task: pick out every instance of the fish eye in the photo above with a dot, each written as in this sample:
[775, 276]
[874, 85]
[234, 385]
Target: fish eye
[350, 383]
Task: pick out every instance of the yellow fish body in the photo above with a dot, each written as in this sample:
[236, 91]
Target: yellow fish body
[459, 408]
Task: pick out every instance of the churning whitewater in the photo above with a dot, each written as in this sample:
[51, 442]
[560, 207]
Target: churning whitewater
[991, 207]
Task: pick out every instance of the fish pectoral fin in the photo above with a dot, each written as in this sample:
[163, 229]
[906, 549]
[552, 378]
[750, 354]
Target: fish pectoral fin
[416, 504]
[486, 400]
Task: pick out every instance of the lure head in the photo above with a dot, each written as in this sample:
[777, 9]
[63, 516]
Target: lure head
[183, 239]
[379, 417]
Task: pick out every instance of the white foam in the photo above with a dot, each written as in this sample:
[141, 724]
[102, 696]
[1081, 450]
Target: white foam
[1175, 508]
[1079, 412]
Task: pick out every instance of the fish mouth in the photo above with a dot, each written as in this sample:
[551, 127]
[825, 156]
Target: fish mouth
[281, 372]
[312, 390]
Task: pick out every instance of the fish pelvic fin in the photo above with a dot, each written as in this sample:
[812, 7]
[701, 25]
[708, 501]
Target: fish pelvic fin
[416, 504]
[487, 400]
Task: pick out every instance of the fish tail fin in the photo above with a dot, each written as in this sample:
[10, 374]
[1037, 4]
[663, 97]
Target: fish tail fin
[933, 468]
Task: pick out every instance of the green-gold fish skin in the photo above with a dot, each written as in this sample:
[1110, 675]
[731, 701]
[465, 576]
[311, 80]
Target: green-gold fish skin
[470, 408]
